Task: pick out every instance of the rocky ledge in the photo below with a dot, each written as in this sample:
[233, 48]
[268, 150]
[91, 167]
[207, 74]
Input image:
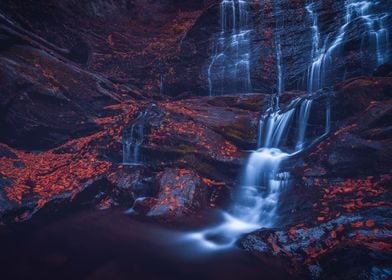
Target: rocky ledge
[337, 210]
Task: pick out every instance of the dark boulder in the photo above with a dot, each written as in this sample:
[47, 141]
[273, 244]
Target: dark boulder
[181, 193]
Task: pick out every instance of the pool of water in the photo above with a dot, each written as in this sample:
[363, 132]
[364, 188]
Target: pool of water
[91, 244]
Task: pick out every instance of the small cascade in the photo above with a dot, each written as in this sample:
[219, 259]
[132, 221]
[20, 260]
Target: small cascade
[314, 72]
[257, 198]
[229, 69]
[263, 180]
[135, 133]
[304, 113]
[279, 66]
[161, 89]
[375, 40]
[272, 128]
[261, 187]
[328, 117]
[133, 138]
[279, 15]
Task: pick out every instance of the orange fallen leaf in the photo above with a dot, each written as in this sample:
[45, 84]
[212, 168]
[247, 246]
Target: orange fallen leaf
[370, 223]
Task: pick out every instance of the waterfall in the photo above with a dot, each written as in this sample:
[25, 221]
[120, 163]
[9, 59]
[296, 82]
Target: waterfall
[229, 68]
[272, 127]
[257, 197]
[161, 89]
[303, 121]
[133, 138]
[314, 72]
[261, 187]
[279, 15]
[358, 12]
[263, 180]
[279, 66]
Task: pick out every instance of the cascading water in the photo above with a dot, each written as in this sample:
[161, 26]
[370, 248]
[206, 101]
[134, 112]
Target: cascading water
[133, 138]
[161, 89]
[360, 14]
[263, 180]
[229, 69]
[314, 72]
[279, 66]
[272, 127]
[261, 186]
[279, 15]
[134, 134]
[303, 119]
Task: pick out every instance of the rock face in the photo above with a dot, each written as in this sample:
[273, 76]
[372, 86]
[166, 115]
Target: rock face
[180, 192]
[288, 23]
[189, 134]
[337, 209]
[167, 47]
[126, 41]
[46, 104]
[361, 145]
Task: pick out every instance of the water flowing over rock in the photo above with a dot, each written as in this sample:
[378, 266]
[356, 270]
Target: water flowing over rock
[133, 138]
[261, 186]
[373, 35]
[303, 122]
[280, 19]
[293, 38]
[257, 198]
[229, 69]
[328, 211]
[134, 134]
[263, 124]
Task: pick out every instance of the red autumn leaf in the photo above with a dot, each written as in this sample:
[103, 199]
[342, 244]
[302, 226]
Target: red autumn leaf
[370, 223]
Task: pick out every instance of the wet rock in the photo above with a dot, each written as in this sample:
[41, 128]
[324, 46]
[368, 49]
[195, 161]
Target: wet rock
[6, 152]
[104, 202]
[311, 250]
[129, 42]
[384, 70]
[334, 215]
[126, 177]
[171, 41]
[47, 104]
[357, 94]
[5, 204]
[362, 140]
[179, 131]
[131, 183]
[143, 205]
[69, 91]
[181, 193]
